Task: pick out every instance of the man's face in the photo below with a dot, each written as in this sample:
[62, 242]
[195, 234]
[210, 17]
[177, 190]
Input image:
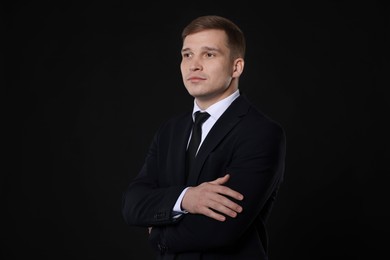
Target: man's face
[206, 67]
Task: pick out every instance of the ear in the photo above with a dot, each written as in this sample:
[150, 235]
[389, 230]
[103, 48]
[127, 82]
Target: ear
[238, 67]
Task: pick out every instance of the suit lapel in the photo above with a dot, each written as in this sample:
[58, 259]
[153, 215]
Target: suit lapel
[222, 127]
[180, 137]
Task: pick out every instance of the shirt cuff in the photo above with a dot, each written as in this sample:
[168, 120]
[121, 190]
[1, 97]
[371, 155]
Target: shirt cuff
[177, 210]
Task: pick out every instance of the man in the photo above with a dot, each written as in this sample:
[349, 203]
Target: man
[213, 205]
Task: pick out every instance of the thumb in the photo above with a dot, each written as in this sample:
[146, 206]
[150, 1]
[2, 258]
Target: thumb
[221, 180]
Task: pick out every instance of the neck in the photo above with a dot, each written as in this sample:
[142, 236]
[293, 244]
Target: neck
[205, 102]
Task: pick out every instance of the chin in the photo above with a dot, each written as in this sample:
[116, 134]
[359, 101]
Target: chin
[199, 95]
[195, 92]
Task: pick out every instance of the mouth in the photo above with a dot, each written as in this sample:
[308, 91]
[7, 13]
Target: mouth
[195, 79]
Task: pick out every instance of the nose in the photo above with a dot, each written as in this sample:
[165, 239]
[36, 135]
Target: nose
[195, 65]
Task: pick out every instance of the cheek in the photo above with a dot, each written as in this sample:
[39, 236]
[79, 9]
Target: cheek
[182, 71]
[220, 75]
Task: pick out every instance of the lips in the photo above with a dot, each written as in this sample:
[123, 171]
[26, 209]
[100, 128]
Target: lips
[196, 78]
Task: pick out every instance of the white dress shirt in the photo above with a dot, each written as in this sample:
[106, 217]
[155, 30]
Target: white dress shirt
[215, 111]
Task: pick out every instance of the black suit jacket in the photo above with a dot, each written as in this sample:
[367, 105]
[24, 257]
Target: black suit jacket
[244, 143]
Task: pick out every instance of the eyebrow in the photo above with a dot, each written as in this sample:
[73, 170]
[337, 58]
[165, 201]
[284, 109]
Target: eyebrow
[205, 48]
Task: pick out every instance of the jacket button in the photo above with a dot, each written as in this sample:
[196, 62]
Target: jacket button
[161, 248]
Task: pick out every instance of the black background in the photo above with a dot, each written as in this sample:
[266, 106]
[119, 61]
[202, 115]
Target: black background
[78, 74]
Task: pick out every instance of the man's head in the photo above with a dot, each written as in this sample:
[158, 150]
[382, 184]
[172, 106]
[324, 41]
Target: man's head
[235, 37]
[212, 58]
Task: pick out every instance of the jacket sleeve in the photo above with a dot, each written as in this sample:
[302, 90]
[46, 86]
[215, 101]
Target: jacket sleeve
[144, 202]
[256, 170]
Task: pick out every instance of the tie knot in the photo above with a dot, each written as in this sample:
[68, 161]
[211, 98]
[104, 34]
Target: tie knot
[200, 117]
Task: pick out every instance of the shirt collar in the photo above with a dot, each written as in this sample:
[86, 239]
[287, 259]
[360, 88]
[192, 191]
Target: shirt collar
[217, 109]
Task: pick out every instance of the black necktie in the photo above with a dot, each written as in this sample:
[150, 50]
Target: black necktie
[200, 118]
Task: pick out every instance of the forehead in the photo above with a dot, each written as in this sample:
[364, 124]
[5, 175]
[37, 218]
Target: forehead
[208, 38]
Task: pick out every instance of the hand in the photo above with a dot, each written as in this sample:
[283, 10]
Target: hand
[209, 199]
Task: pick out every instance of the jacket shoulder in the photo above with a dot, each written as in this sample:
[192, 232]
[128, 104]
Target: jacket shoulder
[256, 118]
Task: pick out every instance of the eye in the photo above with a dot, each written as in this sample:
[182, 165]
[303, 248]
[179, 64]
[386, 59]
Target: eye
[210, 55]
[186, 55]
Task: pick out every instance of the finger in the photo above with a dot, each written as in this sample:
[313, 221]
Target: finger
[212, 214]
[221, 180]
[220, 208]
[230, 205]
[223, 190]
[225, 205]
